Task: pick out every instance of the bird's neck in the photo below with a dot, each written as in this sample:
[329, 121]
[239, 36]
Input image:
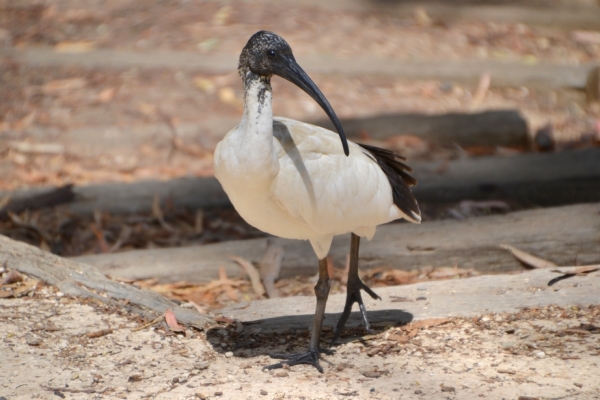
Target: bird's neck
[253, 138]
[258, 106]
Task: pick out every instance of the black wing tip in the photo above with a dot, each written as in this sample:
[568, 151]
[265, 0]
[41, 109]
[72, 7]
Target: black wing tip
[400, 180]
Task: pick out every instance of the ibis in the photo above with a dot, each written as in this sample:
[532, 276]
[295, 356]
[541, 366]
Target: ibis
[299, 181]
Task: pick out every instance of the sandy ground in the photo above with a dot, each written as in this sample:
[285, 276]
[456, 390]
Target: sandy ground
[49, 351]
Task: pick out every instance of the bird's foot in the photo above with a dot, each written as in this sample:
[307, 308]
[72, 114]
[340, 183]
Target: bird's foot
[353, 296]
[310, 357]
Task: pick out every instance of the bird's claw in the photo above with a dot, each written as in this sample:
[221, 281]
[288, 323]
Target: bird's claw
[310, 357]
[353, 296]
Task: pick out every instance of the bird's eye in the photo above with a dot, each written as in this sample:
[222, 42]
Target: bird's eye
[271, 54]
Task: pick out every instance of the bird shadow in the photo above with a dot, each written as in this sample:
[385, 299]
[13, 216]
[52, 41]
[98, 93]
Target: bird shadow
[290, 333]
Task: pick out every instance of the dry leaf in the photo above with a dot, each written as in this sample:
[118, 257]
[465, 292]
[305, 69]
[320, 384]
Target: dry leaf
[527, 259]
[592, 37]
[227, 96]
[400, 338]
[158, 214]
[428, 323]
[83, 46]
[172, 321]
[107, 95]
[228, 289]
[100, 333]
[12, 277]
[482, 88]
[60, 86]
[252, 273]
[270, 266]
[586, 269]
[37, 148]
[4, 201]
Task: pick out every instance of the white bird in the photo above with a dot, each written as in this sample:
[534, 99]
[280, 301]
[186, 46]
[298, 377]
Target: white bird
[296, 181]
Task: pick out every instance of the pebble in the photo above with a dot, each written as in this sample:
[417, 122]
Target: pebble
[421, 288]
[245, 365]
[229, 354]
[539, 354]
[32, 340]
[263, 392]
[282, 374]
[201, 365]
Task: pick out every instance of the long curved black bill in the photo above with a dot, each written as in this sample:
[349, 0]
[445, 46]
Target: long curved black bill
[288, 68]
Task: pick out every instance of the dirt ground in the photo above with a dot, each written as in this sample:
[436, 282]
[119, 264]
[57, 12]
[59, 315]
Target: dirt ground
[55, 346]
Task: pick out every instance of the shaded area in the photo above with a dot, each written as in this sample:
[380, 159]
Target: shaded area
[291, 333]
[489, 128]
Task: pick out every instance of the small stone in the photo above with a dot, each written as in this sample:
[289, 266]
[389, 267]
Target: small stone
[370, 373]
[447, 388]
[201, 365]
[510, 329]
[282, 373]
[263, 392]
[218, 394]
[74, 376]
[421, 298]
[539, 354]
[579, 385]
[508, 345]
[229, 354]
[418, 391]
[421, 288]
[201, 396]
[33, 340]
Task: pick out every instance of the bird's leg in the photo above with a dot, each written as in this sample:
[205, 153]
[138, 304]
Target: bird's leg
[353, 291]
[312, 355]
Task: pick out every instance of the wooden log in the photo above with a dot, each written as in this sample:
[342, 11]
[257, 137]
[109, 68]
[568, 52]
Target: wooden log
[77, 279]
[537, 13]
[459, 297]
[39, 199]
[465, 71]
[549, 179]
[564, 235]
[556, 16]
[489, 128]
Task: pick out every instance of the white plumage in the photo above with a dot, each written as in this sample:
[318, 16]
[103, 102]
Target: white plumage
[297, 181]
[293, 180]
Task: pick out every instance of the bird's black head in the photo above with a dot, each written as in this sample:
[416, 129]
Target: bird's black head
[267, 54]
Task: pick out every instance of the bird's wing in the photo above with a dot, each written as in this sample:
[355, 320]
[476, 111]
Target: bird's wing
[319, 185]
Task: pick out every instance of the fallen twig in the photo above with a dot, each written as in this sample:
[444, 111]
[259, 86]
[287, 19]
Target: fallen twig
[527, 259]
[252, 273]
[155, 321]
